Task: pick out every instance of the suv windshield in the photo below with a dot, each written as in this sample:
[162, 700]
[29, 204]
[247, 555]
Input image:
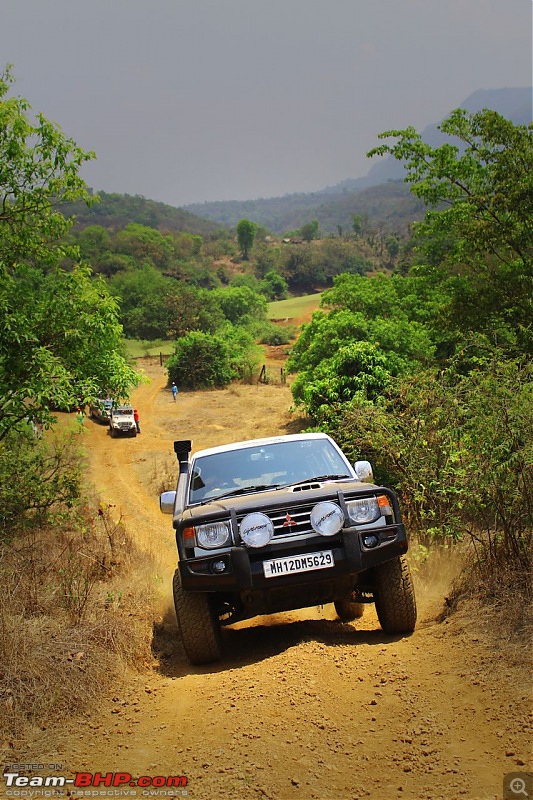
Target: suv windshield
[260, 467]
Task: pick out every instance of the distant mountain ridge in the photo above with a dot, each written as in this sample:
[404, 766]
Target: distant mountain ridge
[335, 205]
[515, 104]
[381, 196]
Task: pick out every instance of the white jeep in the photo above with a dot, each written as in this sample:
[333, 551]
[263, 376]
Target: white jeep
[122, 422]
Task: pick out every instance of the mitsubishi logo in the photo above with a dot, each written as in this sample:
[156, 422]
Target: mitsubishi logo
[289, 521]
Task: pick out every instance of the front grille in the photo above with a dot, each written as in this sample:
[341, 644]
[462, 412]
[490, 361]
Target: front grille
[296, 520]
[289, 522]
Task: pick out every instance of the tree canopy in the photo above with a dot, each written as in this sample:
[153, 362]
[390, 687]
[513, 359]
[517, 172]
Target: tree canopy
[479, 235]
[485, 181]
[245, 236]
[59, 332]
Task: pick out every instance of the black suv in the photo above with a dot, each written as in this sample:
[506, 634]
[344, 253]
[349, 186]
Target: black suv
[270, 525]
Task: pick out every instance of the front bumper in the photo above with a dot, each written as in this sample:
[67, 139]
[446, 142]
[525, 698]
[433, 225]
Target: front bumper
[244, 566]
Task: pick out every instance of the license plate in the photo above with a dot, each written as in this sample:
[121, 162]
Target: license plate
[293, 564]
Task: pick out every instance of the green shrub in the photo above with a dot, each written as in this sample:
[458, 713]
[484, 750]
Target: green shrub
[200, 360]
[274, 335]
[459, 451]
[37, 479]
[358, 370]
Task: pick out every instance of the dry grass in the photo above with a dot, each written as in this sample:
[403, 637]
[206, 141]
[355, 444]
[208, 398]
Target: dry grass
[494, 604]
[496, 596]
[75, 612]
[163, 473]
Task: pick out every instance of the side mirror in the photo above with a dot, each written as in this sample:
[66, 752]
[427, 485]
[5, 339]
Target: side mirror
[363, 471]
[166, 502]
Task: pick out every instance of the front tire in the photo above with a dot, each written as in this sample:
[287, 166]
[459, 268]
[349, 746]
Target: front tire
[198, 624]
[395, 596]
[348, 610]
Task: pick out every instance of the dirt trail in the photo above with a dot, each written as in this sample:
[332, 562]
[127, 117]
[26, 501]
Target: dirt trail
[303, 706]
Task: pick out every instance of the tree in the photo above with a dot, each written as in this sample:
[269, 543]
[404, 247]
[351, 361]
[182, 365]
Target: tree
[392, 245]
[245, 236]
[487, 187]
[143, 297]
[357, 370]
[202, 360]
[146, 245]
[38, 172]
[60, 339]
[480, 237]
[274, 286]
[94, 242]
[309, 230]
[238, 302]
[192, 309]
[298, 269]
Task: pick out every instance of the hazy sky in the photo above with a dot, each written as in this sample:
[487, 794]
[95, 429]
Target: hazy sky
[192, 100]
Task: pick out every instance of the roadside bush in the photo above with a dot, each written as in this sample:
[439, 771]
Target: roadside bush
[202, 361]
[274, 335]
[37, 479]
[359, 370]
[246, 355]
[459, 451]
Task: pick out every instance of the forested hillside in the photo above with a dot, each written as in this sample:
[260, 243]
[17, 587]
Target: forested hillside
[114, 211]
[391, 206]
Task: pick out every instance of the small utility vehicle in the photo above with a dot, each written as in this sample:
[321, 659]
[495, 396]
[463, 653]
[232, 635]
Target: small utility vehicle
[122, 422]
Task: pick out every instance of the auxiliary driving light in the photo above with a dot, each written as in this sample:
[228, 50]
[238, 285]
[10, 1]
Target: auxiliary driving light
[218, 566]
[371, 541]
[327, 519]
[256, 529]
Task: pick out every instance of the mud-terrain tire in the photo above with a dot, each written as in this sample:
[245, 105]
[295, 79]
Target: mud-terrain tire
[199, 625]
[112, 432]
[348, 610]
[395, 596]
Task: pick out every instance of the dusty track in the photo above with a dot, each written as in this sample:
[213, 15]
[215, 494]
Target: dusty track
[303, 706]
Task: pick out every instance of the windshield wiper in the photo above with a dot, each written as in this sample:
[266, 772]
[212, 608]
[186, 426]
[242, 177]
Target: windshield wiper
[241, 490]
[317, 478]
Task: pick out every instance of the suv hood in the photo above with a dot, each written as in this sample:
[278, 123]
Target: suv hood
[301, 493]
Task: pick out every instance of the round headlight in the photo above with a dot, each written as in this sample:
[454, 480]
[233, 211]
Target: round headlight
[327, 519]
[256, 530]
[364, 510]
[213, 534]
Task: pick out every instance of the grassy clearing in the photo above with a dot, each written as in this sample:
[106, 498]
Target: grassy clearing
[294, 307]
[140, 348]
